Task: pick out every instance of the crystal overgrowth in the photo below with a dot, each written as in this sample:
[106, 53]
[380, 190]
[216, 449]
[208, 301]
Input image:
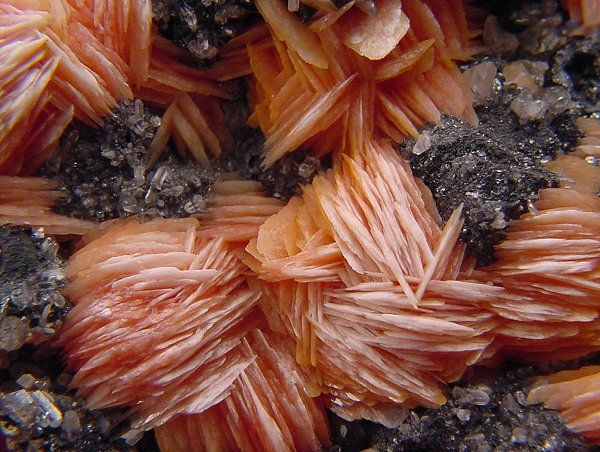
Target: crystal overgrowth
[29, 201]
[108, 173]
[357, 269]
[67, 59]
[31, 278]
[491, 169]
[202, 27]
[343, 78]
[363, 243]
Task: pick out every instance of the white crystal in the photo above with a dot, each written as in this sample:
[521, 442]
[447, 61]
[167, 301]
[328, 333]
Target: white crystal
[51, 416]
[519, 435]
[557, 99]
[480, 397]
[343, 431]
[26, 381]
[305, 170]
[531, 206]
[481, 77]
[499, 221]
[14, 332]
[423, 143]
[528, 109]
[462, 414]
[138, 108]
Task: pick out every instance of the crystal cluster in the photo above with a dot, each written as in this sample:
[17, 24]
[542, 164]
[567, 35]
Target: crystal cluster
[576, 67]
[105, 173]
[202, 26]
[38, 412]
[283, 179]
[539, 33]
[531, 27]
[31, 276]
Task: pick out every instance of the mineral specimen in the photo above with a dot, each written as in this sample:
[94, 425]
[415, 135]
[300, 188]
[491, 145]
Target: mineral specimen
[371, 305]
[105, 173]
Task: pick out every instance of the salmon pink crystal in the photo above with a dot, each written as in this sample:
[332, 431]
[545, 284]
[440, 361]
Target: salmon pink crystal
[239, 324]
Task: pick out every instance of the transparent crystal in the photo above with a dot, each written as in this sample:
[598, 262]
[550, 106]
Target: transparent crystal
[481, 77]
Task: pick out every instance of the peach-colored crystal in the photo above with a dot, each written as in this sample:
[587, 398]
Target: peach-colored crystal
[237, 211]
[363, 278]
[355, 76]
[576, 395]
[267, 409]
[28, 201]
[159, 314]
[586, 12]
[548, 266]
[589, 144]
[65, 59]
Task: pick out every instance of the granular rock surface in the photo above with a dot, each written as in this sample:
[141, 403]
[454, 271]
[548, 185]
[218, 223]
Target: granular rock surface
[493, 170]
[105, 174]
[202, 26]
[283, 179]
[576, 67]
[482, 417]
[31, 277]
[38, 413]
